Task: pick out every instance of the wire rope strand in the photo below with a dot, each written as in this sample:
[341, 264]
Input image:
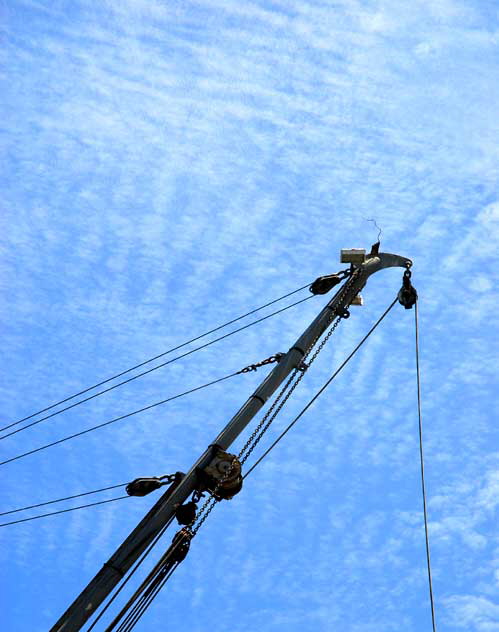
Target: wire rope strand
[146, 601]
[421, 458]
[132, 572]
[320, 391]
[59, 500]
[141, 364]
[120, 418]
[155, 368]
[61, 511]
[116, 419]
[143, 592]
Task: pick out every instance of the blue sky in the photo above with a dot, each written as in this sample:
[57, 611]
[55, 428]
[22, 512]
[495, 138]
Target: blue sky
[169, 166]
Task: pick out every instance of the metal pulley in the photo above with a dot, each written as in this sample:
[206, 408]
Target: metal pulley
[180, 546]
[143, 486]
[323, 284]
[222, 477]
[186, 514]
[147, 484]
[407, 295]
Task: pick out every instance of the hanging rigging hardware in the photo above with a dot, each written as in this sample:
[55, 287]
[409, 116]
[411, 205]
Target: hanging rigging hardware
[323, 284]
[407, 295]
[186, 514]
[153, 525]
[253, 367]
[357, 300]
[146, 485]
[342, 312]
[222, 477]
[353, 255]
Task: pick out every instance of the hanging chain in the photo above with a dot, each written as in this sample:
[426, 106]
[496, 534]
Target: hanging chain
[298, 373]
[253, 367]
[187, 533]
[275, 408]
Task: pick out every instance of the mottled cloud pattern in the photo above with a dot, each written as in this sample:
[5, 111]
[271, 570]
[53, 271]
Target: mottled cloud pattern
[169, 166]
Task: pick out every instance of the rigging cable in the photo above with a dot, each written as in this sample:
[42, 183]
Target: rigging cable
[134, 569]
[155, 368]
[320, 391]
[421, 457]
[120, 418]
[60, 500]
[61, 511]
[141, 364]
[150, 587]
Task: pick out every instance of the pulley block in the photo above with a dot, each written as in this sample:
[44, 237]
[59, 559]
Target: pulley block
[222, 477]
[179, 546]
[147, 484]
[143, 486]
[407, 295]
[323, 284]
[186, 514]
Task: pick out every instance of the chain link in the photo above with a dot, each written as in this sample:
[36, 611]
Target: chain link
[274, 410]
[298, 373]
[188, 532]
[253, 367]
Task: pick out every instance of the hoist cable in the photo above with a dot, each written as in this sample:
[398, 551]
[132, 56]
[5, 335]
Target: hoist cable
[155, 368]
[421, 457]
[135, 607]
[60, 500]
[141, 364]
[142, 598]
[112, 421]
[131, 573]
[150, 587]
[320, 391]
[61, 511]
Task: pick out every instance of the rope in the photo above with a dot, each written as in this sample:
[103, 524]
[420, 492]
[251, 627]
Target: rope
[112, 421]
[320, 391]
[155, 368]
[421, 457]
[54, 513]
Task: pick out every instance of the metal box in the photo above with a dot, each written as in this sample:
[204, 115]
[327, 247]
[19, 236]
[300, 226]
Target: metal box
[353, 255]
[358, 300]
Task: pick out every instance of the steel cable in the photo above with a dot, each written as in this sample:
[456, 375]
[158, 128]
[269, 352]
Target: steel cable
[61, 511]
[320, 391]
[116, 419]
[155, 368]
[421, 458]
[130, 575]
[141, 364]
[60, 500]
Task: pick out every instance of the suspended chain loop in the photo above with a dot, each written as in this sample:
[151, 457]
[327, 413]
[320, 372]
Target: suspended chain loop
[320, 391]
[188, 532]
[253, 367]
[273, 411]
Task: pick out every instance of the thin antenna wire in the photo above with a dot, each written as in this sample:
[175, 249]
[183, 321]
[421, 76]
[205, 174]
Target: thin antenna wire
[421, 456]
[379, 229]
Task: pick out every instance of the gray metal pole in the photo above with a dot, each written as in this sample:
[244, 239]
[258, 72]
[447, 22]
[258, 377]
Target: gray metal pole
[138, 540]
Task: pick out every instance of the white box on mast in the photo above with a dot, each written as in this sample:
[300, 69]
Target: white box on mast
[353, 255]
